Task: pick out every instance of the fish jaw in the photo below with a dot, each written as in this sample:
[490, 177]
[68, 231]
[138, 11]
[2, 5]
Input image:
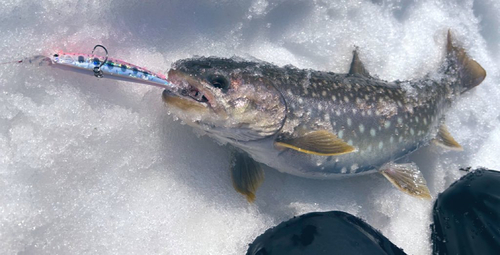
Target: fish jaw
[183, 104]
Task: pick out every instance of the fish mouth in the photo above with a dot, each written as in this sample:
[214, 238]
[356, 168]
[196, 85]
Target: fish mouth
[191, 94]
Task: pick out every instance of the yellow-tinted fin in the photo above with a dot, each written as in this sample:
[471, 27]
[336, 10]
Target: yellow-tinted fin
[357, 66]
[445, 140]
[320, 142]
[470, 72]
[247, 175]
[407, 178]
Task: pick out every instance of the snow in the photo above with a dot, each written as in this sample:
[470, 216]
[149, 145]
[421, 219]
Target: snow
[91, 166]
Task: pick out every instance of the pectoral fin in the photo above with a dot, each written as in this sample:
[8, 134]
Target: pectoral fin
[357, 66]
[320, 142]
[445, 140]
[407, 178]
[247, 175]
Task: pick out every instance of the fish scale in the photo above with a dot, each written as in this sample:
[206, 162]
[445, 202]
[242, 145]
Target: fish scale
[318, 124]
[367, 123]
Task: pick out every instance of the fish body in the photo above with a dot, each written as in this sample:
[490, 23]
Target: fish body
[318, 124]
[379, 119]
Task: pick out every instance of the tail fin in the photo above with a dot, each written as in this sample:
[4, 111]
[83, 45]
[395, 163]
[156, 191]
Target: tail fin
[470, 73]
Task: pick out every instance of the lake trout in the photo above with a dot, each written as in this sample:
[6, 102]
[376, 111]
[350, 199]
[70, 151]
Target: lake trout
[318, 124]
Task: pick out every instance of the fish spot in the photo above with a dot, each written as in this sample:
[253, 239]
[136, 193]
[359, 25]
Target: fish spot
[354, 110]
[373, 132]
[349, 122]
[381, 145]
[349, 142]
[387, 124]
[361, 128]
[416, 119]
[369, 148]
[301, 101]
[346, 99]
[412, 132]
[391, 140]
[343, 170]
[400, 120]
[334, 98]
[400, 139]
[369, 112]
[354, 167]
[323, 93]
[340, 134]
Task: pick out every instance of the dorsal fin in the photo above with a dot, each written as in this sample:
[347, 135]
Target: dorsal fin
[470, 72]
[357, 66]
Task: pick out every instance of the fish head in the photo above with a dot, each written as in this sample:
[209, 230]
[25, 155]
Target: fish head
[228, 98]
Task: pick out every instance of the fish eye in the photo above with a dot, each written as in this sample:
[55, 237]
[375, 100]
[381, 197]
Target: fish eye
[219, 81]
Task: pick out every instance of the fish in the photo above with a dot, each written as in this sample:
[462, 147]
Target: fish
[317, 124]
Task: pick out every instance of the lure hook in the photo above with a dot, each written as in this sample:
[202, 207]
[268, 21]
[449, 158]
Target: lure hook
[97, 69]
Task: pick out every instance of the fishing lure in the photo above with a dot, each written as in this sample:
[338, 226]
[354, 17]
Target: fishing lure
[102, 67]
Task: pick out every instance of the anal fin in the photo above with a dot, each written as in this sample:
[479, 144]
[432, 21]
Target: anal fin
[445, 140]
[407, 178]
[247, 175]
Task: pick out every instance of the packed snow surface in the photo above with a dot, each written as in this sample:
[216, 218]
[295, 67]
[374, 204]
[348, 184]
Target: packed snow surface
[97, 166]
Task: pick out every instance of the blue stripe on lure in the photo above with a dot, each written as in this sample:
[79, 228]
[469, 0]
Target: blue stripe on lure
[103, 67]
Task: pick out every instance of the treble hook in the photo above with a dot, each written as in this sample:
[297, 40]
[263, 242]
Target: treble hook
[97, 69]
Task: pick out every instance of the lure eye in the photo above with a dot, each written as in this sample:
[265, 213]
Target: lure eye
[56, 55]
[219, 81]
